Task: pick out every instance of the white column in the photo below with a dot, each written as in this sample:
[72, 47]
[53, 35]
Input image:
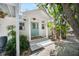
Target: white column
[17, 31]
[39, 28]
[46, 29]
[29, 23]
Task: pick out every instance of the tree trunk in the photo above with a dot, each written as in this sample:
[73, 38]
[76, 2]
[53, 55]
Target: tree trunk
[70, 19]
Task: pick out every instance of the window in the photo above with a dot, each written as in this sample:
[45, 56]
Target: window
[21, 26]
[33, 24]
[43, 26]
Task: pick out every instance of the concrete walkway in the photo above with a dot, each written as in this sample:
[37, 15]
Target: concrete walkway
[68, 47]
[45, 52]
[39, 43]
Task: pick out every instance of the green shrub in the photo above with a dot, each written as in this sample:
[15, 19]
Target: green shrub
[11, 44]
[11, 47]
[24, 43]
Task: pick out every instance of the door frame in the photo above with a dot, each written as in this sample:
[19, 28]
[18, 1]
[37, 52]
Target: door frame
[37, 28]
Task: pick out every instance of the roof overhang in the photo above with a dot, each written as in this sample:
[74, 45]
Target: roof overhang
[8, 8]
[38, 13]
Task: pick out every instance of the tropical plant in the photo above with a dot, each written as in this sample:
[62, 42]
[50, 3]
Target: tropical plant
[50, 25]
[56, 11]
[11, 44]
[24, 44]
[68, 11]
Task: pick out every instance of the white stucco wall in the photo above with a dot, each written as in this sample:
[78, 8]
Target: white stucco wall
[40, 16]
[4, 24]
[42, 32]
[25, 31]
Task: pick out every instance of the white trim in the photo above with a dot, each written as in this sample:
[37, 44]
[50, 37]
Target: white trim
[17, 31]
[12, 4]
[39, 28]
[9, 9]
[29, 22]
[25, 13]
[46, 30]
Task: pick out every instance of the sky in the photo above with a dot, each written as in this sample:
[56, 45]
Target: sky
[28, 6]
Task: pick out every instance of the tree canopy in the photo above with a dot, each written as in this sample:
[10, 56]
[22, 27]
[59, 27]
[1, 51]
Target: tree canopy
[64, 14]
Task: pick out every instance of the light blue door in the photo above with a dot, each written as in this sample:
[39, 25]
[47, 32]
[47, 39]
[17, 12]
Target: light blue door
[34, 29]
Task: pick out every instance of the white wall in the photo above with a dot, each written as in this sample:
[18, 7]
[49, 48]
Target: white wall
[4, 24]
[25, 31]
[40, 16]
[42, 32]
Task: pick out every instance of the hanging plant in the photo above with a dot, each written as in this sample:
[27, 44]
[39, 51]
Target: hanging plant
[2, 14]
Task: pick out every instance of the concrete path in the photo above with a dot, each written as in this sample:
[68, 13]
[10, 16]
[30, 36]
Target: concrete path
[68, 47]
[39, 43]
[46, 51]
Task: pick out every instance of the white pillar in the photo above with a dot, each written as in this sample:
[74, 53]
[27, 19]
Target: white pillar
[17, 31]
[29, 23]
[39, 28]
[46, 29]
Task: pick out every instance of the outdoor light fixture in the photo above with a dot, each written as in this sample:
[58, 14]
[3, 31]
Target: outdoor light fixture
[24, 19]
[34, 18]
